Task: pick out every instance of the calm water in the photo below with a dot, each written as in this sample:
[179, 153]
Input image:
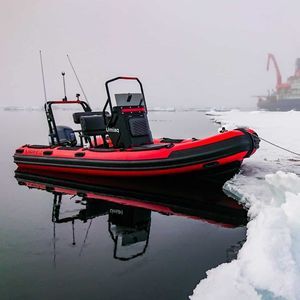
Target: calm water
[87, 246]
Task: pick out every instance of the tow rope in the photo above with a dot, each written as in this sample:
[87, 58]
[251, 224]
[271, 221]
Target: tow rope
[273, 144]
[282, 148]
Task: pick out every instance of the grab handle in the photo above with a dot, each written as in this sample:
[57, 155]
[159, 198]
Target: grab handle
[108, 102]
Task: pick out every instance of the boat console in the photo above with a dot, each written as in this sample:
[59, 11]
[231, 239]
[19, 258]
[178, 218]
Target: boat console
[125, 124]
[128, 126]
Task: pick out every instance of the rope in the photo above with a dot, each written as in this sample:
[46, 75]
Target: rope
[282, 148]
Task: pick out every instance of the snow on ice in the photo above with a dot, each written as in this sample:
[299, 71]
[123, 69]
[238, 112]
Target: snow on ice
[268, 264]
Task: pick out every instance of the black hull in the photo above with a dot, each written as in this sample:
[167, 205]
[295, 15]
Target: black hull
[189, 197]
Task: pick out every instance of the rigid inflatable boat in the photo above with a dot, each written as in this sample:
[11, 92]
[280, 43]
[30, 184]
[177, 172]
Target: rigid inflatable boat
[117, 141]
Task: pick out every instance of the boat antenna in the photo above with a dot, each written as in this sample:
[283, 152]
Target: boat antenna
[79, 83]
[43, 76]
[64, 83]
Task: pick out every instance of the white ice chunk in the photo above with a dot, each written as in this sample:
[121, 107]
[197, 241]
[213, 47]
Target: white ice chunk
[268, 264]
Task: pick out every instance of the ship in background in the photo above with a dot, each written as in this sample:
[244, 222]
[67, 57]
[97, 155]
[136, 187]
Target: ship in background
[287, 94]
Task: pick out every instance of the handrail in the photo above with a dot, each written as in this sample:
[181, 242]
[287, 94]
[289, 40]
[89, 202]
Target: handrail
[108, 102]
[50, 116]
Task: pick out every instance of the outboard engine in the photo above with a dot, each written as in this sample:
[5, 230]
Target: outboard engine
[66, 136]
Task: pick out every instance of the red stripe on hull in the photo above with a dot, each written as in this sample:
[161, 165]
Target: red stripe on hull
[100, 172]
[129, 155]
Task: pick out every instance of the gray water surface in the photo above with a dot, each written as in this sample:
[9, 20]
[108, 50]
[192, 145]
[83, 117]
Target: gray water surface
[42, 259]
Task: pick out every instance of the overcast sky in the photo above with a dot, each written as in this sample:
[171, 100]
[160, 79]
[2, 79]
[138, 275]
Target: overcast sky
[187, 53]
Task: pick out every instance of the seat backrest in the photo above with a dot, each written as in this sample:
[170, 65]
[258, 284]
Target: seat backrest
[78, 115]
[93, 125]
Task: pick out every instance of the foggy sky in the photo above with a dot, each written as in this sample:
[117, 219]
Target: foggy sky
[187, 53]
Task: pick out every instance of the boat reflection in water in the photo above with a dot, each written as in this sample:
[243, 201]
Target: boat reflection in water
[128, 204]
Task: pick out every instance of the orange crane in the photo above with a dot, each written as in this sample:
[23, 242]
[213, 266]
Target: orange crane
[279, 84]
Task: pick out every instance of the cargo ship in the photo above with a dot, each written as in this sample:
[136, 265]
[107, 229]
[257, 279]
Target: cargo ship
[287, 94]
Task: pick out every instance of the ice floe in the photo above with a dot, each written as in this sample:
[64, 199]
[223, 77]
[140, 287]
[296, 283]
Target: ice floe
[164, 109]
[268, 264]
[21, 108]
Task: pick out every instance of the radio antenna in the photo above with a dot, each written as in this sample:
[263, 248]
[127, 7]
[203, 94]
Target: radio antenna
[43, 76]
[64, 83]
[79, 83]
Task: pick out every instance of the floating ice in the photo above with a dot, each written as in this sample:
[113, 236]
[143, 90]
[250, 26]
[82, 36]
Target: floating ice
[278, 127]
[164, 109]
[268, 264]
[21, 108]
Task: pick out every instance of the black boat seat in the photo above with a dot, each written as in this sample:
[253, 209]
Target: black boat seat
[92, 126]
[78, 115]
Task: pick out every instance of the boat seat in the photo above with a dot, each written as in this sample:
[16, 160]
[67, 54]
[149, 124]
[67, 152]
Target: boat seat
[92, 126]
[77, 116]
